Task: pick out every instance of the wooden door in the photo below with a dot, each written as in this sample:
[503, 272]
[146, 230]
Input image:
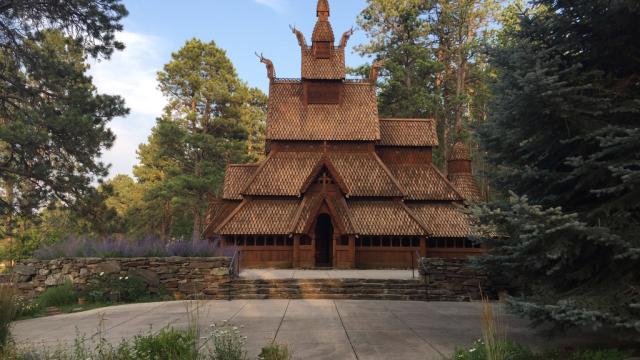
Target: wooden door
[324, 241]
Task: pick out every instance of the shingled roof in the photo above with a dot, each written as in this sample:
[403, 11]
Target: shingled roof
[283, 174]
[408, 132]
[235, 179]
[365, 174]
[310, 205]
[260, 217]
[442, 220]
[384, 218]
[355, 118]
[323, 32]
[218, 211]
[459, 152]
[286, 173]
[424, 182]
[466, 185]
[332, 68]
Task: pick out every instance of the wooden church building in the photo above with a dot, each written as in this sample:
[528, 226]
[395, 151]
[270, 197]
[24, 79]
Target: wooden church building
[340, 186]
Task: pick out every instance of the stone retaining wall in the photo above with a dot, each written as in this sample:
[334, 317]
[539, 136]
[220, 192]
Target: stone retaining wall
[193, 277]
[452, 280]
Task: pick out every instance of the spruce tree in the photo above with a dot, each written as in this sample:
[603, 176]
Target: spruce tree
[564, 133]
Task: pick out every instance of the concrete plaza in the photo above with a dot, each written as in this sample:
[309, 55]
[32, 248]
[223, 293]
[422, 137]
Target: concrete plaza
[313, 329]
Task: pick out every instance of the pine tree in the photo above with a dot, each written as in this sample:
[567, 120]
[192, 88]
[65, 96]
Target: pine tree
[53, 123]
[434, 67]
[212, 119]
[564, 132]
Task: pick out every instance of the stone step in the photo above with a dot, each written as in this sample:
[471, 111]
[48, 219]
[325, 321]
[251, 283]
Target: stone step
[373, 289]
[326, 281]
[316, 287]
[321, 290]
[318, 297]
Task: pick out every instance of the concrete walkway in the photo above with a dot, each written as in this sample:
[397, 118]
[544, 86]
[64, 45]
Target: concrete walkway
[313, 329]
[269, 274]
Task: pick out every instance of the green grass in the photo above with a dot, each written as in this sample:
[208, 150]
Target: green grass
[72, 308]
[275, 352]
[62, 295]
[515, 351]
[7, 314]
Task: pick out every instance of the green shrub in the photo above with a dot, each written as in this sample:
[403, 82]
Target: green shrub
[26, 307]
[479, 351]
[116, 288]
[167, 344]
[519, 352]
[61, 295]
[275, 352]
[7, 314]
[607, 354]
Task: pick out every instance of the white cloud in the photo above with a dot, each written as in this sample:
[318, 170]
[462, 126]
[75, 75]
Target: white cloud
[277, 5]
[131, 74]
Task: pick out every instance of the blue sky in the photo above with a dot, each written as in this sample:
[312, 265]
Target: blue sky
[154, 29]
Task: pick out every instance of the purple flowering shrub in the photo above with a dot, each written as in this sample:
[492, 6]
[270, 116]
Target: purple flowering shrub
[75, 247]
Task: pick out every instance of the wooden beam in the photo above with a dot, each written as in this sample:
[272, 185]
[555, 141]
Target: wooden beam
[423, 246]
[296, 251]
[352, 250]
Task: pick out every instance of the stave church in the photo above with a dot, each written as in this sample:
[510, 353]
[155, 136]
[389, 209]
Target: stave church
[341, 187]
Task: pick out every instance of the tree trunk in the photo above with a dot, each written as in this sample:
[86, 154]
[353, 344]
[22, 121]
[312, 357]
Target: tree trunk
[197, 226]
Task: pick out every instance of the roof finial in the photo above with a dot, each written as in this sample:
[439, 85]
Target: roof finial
[345, 37]
[301, 40]
[323, 9]
[375, 71]
[271, 71]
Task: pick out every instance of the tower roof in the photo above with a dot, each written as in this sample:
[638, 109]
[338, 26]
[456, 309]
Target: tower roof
[460, 152]
[323, 6]
[323, 32]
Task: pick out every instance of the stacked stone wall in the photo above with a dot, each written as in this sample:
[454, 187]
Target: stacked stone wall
[453, 280]
[193, 277]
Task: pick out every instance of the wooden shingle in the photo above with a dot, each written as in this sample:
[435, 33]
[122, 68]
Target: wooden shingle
[378, 218]
[364, 174]
[467, 186]
[408, 132]
[217, 212]
[235, 179]
[283, 174]
[332, 68]
[260, 217]
[442, 220]
[302, 217]
[459, 152]
[355, 118]
[323, 32]
[424, 182]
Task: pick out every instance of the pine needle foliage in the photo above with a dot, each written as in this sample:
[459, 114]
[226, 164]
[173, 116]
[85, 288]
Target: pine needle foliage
[565, 136]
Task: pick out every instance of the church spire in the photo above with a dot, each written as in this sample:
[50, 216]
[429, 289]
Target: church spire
[323, 11]
[323, 39]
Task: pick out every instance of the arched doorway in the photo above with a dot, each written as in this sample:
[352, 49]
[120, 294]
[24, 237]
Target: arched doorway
[324, 240]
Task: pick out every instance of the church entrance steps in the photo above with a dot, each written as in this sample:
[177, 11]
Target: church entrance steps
[355, 289]
[272, 274]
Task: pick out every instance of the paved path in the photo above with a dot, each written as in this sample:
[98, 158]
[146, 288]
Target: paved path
[328, 274]
[313, 329]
